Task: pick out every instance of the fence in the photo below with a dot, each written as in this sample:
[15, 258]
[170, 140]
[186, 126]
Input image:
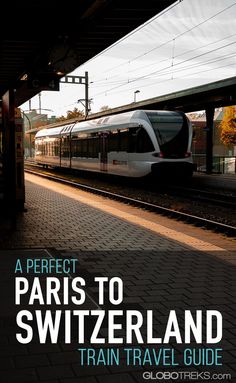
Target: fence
[221, 164]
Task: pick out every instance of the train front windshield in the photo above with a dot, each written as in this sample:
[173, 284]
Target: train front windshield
[171, 130]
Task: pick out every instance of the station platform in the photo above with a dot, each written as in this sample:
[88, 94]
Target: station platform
[164, 265]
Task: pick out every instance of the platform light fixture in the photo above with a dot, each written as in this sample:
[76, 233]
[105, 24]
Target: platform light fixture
[135, 94]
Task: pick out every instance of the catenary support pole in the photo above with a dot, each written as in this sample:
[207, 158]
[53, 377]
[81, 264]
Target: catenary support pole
[209, 139]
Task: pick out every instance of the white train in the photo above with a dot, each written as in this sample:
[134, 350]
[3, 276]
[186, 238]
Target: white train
[132, 144]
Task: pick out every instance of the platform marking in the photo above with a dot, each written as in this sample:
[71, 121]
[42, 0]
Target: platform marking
[101, 204]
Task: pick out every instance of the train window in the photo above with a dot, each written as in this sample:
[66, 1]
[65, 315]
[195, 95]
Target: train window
[130, 140]
[144, 143]
[133, 140]
[84, 147]
[93, 146]
[84, 151]
[124, 140]
[65, 147]
[39, 148]
[43, 146]
[113, 141]
[74, 148]
[56, 147]
[79, 148]
[48, 148]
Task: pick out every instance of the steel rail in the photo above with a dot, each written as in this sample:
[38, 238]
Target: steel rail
[196, 220]
[219, 199]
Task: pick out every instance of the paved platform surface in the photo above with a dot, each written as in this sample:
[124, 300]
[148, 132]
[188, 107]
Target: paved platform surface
[164, 264]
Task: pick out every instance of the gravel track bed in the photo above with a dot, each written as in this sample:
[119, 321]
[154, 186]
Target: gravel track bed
[146, 190]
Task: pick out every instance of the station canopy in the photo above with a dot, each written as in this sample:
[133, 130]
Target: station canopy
[43, 40]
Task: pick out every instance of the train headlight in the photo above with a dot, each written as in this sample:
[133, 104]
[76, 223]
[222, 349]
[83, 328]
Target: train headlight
[160, 155]
[187, 154]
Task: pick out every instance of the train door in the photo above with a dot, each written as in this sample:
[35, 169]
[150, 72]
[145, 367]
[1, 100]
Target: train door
[65, 151]
[103, 151]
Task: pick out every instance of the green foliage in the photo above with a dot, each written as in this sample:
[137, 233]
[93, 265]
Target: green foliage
[75, 113]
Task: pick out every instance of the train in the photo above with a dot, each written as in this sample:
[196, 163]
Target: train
[138, 143]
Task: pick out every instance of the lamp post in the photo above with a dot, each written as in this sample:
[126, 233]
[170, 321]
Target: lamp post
[135, 93]
[30, 127]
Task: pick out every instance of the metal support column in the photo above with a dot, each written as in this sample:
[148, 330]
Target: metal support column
[78, 80]
[9, 155]
[86, 95]
[209, 139]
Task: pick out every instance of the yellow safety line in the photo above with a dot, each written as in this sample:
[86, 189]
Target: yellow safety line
[101, 204]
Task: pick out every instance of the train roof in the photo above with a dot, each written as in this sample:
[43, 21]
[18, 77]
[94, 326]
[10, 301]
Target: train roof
[118, 121]
[55, 131]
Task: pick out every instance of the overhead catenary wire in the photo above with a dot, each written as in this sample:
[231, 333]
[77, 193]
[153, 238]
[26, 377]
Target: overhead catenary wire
[170, 66]
[168, 41]
[168, 80]
[137, 29]
[174, 69]
[181, 54]
[151, 76]
[211, 61]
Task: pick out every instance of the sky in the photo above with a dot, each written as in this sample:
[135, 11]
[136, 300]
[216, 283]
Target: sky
[188, 44]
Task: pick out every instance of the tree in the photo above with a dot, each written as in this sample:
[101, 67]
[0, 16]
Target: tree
[228, 126]
[60, 119]
[104, 107]
[75, 113]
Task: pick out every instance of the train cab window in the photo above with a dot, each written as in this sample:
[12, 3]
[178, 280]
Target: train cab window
[172, 133]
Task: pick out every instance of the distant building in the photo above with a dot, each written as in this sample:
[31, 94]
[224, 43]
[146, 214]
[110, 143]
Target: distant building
[221, 152]
[34, 120]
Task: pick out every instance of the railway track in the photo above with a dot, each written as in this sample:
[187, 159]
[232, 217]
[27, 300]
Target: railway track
[179, 215]
[209, 197]
[228, 201]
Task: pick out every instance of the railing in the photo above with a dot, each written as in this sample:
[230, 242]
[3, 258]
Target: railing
[221, 164]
